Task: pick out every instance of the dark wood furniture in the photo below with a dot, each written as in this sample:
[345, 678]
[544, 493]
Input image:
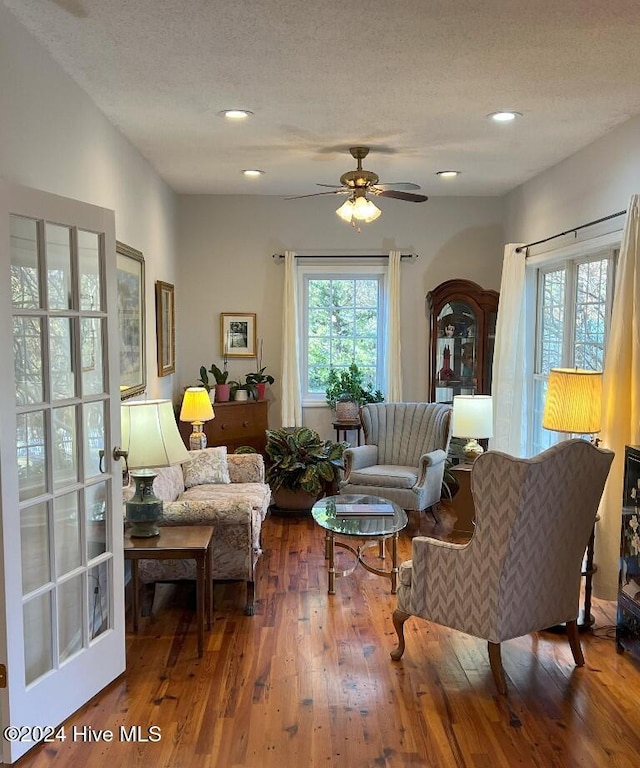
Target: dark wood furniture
[347, 426]
[180, 542]
[463, 326]
[628, 619]
[462, 502]
[235, 424]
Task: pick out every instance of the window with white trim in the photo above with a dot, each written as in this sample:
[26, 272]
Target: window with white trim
[573, 314]
[341, 318]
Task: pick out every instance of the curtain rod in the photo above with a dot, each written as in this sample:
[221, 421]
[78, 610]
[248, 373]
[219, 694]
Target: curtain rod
[521, 248]
[347, 256]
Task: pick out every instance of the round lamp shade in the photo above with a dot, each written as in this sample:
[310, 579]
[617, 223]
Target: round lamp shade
[150, 435]
[574, 401]
[196, 405]
[472, 416]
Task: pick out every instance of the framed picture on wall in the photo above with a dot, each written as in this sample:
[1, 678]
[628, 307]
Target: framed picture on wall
[165, 328]
[238, 334]
[131, 321]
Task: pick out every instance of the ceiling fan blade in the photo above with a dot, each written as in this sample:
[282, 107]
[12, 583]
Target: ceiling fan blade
[410, 196]
[397, 185]
[333, 186]
[315, 194]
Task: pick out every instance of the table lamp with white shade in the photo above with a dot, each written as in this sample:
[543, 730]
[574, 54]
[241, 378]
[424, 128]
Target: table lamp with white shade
[473, 419]
[150, 439]
[196, 408]
[574, 401]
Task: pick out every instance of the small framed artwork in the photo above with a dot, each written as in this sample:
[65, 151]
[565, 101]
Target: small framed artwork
[165, 328]
[238, 334]
[130, 280]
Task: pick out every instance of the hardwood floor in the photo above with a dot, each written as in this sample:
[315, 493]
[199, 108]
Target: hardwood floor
[308, 681]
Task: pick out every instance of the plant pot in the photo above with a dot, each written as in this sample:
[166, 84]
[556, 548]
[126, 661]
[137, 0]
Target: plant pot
[241, 394]
[347, 410]
[293, 501]
[262, 390]
[222, 392]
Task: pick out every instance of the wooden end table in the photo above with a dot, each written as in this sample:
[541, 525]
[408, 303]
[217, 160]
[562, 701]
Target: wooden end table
[180, 542]
[347, 426]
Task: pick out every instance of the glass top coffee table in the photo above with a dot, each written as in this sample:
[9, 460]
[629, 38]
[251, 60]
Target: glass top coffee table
[360, 517]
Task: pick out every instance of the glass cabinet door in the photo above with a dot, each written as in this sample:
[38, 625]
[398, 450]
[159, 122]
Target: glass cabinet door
[456, 351]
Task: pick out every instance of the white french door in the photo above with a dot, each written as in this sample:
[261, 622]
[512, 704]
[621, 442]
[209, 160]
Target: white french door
[61, 557]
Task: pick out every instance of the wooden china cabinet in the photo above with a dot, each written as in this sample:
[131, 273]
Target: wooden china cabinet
[463, 329]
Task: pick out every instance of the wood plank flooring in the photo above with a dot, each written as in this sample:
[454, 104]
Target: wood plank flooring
[308, 682]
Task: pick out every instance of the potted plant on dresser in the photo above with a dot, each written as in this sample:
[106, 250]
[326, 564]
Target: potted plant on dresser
[259, 381]
[301, 466]
[222, 387]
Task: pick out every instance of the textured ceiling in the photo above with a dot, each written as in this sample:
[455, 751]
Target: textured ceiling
[412, 79]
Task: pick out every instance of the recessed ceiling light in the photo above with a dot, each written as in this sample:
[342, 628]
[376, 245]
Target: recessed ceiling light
[253, 172]
[236, 114]
[504, 116]
[448, 174]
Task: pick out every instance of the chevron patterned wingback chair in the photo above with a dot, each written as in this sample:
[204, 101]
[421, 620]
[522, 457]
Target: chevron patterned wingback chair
[404, 456]
[521, 570]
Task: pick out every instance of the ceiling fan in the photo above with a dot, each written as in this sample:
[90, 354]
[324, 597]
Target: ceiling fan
[357, 184]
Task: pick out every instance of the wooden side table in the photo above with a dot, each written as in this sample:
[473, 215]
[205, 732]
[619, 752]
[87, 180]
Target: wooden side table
[347, 426]
[180, 542]
[463, 500]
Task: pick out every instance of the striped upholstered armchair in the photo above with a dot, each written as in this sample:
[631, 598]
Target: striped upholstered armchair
[404, 456]
[520, 572]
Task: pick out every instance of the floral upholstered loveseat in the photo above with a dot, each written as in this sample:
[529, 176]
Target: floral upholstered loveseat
[228, 492]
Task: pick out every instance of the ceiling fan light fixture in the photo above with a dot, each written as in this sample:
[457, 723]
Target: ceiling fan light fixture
[345, 211]
[365, 210]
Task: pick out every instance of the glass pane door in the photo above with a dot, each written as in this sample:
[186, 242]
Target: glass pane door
[68, 608]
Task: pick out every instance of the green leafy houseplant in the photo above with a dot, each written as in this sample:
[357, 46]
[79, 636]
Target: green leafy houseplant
[349, 383]
[260, 377]
[301, 460]
[219, 376]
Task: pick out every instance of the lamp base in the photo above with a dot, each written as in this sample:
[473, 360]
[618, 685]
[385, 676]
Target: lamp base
[144, 509]
[197, 439]
[472, 450]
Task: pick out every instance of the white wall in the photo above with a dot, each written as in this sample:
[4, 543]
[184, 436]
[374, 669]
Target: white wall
[53, 138]
[226, 265]
[595, 182]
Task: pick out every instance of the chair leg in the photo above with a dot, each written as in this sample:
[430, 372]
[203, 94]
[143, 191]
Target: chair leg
[432, 512]
[495, 659]
[574, 641]
[249, 609]
[399, 618]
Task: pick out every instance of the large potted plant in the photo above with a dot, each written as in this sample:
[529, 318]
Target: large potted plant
[347, 390]
[302, 466]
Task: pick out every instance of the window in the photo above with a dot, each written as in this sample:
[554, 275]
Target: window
[341, 314]
[573, 312]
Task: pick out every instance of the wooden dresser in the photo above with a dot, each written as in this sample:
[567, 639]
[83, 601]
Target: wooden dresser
[235, 424]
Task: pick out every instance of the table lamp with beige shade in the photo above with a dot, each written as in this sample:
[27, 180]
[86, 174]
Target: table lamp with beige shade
[196, 409]
[150, 439]
[472, 418]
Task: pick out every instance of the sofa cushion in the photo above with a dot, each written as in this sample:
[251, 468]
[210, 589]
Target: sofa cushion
[384, 476]
[206, 467]
[169, 483]
[222, 497]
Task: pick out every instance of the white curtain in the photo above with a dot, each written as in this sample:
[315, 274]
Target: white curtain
[291, 404]
[508, 375]
[393, 365]
[621, 399]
